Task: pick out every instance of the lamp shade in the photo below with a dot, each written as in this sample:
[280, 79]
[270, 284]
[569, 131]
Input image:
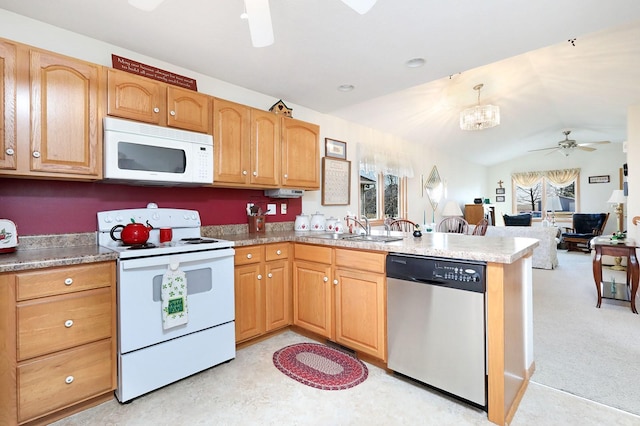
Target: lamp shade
[553, 203]
[451, 208]
[617, 197]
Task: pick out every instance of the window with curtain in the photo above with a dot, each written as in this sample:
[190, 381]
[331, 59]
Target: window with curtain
[548, 192]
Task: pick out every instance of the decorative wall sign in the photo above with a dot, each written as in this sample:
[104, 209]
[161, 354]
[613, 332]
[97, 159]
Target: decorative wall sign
[335, 149]
[599, 179]
[134, 67]
[500, 191]
[499, 198]
[336, 179]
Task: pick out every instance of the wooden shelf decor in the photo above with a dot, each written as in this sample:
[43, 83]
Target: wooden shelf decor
[336, 179]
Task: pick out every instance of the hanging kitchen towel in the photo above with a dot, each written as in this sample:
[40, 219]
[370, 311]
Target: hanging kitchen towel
[174, 297]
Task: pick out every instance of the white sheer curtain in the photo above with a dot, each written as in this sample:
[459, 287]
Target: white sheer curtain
[385, 154]
[527, 179]
[562, 178]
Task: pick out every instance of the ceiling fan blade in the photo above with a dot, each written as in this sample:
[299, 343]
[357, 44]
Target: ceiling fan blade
[585, 148]
[543, 149]
[360, 6]
[593, 143]
[147, 5]
[259, 18]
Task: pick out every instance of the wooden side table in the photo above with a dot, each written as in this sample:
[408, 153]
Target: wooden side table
[607, 289]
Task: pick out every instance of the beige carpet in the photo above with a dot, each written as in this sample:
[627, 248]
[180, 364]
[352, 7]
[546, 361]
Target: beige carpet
[578, 348]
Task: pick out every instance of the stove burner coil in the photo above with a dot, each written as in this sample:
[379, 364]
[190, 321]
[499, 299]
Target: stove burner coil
[142, 246]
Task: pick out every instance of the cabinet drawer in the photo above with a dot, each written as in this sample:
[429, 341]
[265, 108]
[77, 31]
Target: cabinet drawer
[277, 251]
[47, 282]
[311, 253]
[251, 254]
[60, 322]
[362, 260]
[43, 383]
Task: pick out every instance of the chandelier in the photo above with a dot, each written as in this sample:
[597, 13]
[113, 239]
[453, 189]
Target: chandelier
[480, 116]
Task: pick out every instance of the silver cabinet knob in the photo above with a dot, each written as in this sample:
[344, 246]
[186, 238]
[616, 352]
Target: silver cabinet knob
[325, 279]
[244, 172]
[68, 281]
[286, 175]
[255, 173]
[68, 323]
[335, 282]
[10, 151]
[156, 110]
[249, 255]
[270, 275]
[172, 113]
[36, 154]
[68, 380]
[259, 276]
[278, 252]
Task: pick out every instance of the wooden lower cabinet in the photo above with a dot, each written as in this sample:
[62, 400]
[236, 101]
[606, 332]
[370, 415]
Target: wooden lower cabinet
[262, 289]
[340, 294]
[59, 331]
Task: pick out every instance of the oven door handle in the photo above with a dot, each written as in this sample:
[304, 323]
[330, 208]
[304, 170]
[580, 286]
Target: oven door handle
[180, 258]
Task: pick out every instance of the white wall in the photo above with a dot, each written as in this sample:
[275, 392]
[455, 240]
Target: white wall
[462, 187]
[606, 160]
[633, 157]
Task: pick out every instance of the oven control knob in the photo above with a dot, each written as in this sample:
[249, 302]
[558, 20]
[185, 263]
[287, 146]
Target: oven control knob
[155, 216]
[108, 219]
[118, 218]
[194, 216]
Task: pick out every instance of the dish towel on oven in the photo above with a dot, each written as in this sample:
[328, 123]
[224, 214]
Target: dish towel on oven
[174, 297]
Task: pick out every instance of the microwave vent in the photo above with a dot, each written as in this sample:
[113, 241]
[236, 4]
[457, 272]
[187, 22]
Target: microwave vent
[284, 193]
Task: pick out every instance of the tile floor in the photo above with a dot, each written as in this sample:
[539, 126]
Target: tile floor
[249, 390]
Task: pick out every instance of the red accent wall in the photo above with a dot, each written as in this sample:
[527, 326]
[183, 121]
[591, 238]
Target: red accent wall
[41, 207]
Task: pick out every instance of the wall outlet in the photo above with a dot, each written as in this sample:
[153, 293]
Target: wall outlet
[283, 208]
[271, 209]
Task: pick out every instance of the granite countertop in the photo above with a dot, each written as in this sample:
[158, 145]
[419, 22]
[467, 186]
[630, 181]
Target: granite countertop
[57, 250]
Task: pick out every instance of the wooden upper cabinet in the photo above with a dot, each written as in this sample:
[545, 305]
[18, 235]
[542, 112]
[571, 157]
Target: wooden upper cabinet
[143, 99]
[187, 109]
[231, 126]
[65, 125]
[300, 154]
[265, 148]
[8, 75]
[134, 97]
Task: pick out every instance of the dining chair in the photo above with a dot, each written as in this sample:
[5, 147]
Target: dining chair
[481, 227]
[403, 225]
[453, 224]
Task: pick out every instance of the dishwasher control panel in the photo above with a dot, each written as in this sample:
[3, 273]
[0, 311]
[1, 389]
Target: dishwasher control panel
[454, 273]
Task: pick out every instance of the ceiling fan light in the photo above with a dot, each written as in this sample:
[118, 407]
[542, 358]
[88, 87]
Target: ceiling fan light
[259, 18]
[360, 6]
[147, 5]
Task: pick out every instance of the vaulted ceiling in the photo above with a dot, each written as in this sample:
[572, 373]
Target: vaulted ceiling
[550, 65]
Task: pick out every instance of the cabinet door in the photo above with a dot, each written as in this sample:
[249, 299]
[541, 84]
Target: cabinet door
[231, 124]
[312, 302]
[265, 148]
[8, 75]
[277, 294]
[187, 109]
[134, 97]
[249, 301]
[300, 154]
[65, 135]
[360, 311]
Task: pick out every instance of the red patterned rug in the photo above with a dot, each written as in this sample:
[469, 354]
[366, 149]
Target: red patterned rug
[320, 366]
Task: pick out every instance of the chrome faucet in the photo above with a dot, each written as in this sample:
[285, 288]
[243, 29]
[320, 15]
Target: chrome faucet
[387, 229]
[366, 226]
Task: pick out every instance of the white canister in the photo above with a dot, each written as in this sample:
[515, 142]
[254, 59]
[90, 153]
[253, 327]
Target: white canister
[317, 222]
[338, 227]
[330, 224]
[301, 223]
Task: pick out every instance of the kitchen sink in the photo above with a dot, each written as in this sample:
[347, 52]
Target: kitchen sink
[373, 238]
[328, 236]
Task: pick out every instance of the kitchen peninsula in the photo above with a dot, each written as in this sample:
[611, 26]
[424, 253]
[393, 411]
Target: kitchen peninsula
[508, 295]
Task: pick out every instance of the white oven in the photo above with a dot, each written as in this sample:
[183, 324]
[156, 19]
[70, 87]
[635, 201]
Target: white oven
[152, 353]
[149, 154]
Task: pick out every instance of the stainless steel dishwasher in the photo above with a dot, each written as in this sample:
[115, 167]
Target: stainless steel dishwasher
[436, 323]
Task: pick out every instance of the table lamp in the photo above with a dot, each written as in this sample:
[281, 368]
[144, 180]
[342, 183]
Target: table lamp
[451, 208]
[554, 204]
[618, 198]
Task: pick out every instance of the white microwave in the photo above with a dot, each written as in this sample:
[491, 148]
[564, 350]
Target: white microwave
[153, 155]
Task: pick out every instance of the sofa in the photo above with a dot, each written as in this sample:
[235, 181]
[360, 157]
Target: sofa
[545, 256]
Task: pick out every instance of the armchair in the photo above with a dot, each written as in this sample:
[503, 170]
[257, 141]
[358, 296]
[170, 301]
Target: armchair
[585, 227]
[523, 219]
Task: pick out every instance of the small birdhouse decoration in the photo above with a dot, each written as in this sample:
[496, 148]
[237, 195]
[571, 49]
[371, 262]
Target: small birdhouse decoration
[280, 108]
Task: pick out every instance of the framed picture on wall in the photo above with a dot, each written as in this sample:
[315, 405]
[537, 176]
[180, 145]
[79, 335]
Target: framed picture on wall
[335, 149]
[500, 191]
[499, 198]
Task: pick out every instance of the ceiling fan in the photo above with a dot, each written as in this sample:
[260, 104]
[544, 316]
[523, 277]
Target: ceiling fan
[258, 15]
[566, 146]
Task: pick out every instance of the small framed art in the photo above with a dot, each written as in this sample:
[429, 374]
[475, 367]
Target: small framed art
[499, 198]
[599, 179]
[335, 149]
[500, 191]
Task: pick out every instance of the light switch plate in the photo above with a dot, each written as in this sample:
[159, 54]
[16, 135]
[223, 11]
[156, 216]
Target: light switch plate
[271, 209]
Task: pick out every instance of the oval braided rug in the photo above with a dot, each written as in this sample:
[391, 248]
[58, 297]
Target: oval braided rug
[320, 366]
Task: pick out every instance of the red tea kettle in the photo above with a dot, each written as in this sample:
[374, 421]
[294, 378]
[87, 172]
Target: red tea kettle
[133, 233]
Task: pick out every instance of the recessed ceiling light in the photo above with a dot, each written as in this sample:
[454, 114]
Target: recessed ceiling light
[346, 87]
[415, 62]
